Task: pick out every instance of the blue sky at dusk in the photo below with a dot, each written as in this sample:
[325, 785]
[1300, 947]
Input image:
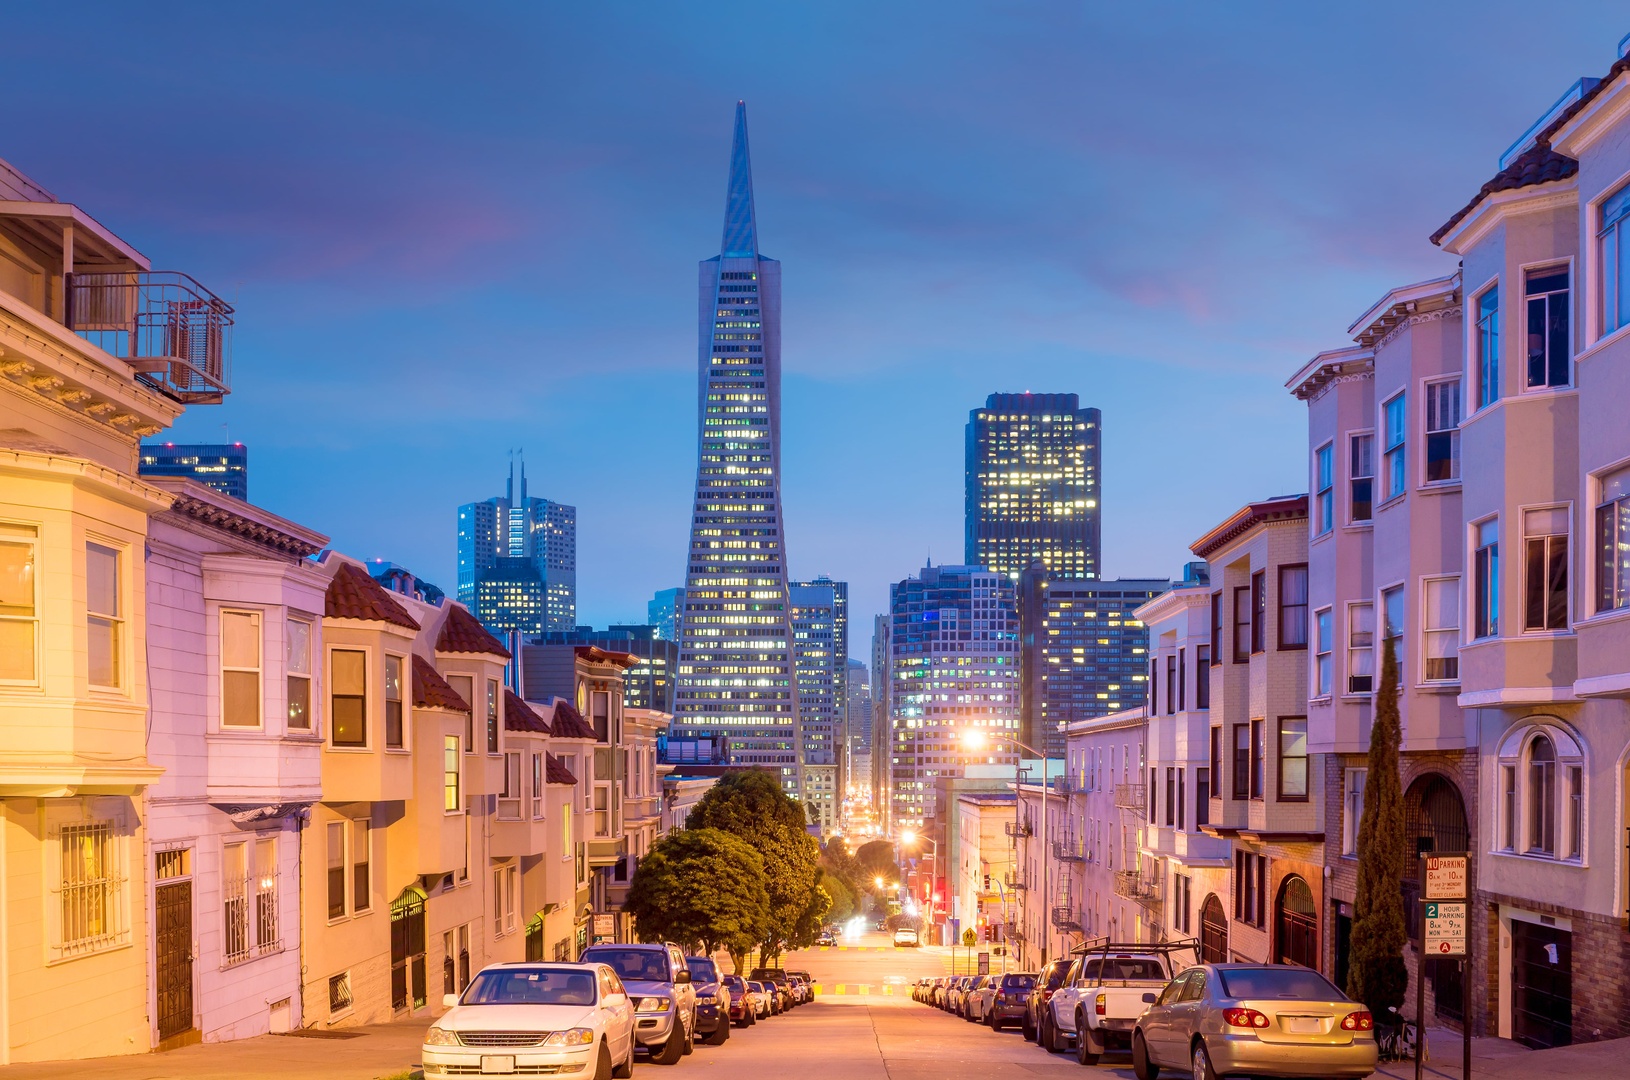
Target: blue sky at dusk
[451, 230]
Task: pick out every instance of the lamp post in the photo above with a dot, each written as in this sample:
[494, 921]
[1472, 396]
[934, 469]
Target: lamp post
[975, 738]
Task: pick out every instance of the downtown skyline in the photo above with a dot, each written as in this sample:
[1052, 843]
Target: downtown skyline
[909, 237]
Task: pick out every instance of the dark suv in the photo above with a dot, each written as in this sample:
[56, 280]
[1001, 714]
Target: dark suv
[1012, 992]
[712, 1000]
[658, 984]
[1035, 1005]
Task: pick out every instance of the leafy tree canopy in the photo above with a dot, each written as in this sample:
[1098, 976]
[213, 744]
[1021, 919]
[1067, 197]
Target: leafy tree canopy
[701, 887]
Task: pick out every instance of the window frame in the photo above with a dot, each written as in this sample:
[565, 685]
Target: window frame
[1324, 488]
[1608, 578]
[1353, 650]
[257, 624]
[1485, 591]
[1292, 619]
[1398, 590]
[509, 793]
[1545, 268]
[1484, 353]
[26, 536]
[494, 744]
[1259, 611]
[1608, 272]
[1280, 794]
[1395, 455]
[1354, 477]
[116, 621]
[1239, 751]
[1202, 677]
[299, 672]
[1430, 393]
[1216, 627]
[1259, 759]
[453, 679]
[112, 884]
[1323, 668]
[1239, 656]
[1427, 630]
[452, 779]
[366, 653]
[1353, 781]
[402, 738]
[360, 885]
[1526, 570]
[1563, 807]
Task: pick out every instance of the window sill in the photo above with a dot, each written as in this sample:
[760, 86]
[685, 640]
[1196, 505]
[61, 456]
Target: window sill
[1363, 695]
[1548, 860]
[1603, 618]
[1440, 487]
[1322, 699]
[1543, 635]
[1389, 503]
[1546, 392]
[1438, 687]
[86, 953]
[1603, 342]
[1360, 526]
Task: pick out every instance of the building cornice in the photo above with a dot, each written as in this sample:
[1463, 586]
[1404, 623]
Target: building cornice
[1327, 368]
[1608, 106]
[1248, 517]
[109, 483]
[1503, 204]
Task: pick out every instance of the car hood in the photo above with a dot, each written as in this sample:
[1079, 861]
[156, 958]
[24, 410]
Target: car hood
[705, 988]
[516, 1017]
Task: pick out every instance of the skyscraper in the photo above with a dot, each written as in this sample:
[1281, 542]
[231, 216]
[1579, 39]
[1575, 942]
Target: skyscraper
[517, 561]
[222, 466]
[662, 612]
[819, 629]
[953, 662]
[1032, 485]
[1083, 651]
[857, 726]
[736, 695]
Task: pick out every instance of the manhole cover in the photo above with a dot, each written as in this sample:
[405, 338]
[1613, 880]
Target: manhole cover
[322, 1033]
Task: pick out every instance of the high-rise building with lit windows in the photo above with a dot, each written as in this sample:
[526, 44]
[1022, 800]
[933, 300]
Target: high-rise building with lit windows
[820, 642]
[222, 466]
[517, 561]
[1032, 485]
[736, 693]
[953, 668]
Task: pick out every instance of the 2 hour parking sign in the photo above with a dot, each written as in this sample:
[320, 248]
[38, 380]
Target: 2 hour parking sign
[1445, 923]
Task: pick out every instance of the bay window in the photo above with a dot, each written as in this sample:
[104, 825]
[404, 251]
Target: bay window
[1486, 579]
[1322, 634]
[1395, 414]
[1440, 629]
[1361, 479]
[298, 669]
[348, 697]
[1293, 606]
[1443, 431]
[104, 622]
[1615, 257]
[1613, 540]
[1360, 648]
[240, 669]
[1488, 347]
[1546, 292]
[1324, 487]
[393, 702]
[19, 608]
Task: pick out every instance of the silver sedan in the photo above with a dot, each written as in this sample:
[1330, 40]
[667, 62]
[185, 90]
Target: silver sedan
[1261, 1019]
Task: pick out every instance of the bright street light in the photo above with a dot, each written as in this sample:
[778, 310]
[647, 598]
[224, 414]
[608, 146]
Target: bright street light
[908, 837]
[878, 881]
[973, 739]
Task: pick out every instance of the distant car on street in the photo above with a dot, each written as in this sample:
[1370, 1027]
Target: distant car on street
[825, 939]
[905, 938]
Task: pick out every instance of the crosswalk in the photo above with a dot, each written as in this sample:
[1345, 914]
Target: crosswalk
[860, 989]
[853, 948]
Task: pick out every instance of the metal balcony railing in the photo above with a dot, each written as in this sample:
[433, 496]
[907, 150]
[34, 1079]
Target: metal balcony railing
[1017, 829]
[1014, 881]
[1069, 850]
[1064, 918]
[1066, 784]
[174, 333]
[1129, 797]
[1132, 885]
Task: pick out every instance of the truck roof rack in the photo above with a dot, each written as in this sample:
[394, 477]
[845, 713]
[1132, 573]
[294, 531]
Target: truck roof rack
[1106, 946]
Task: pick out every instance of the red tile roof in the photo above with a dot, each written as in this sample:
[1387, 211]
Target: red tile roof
[596, 655]
[431, 691]
[568, 723]
[518, 715]
[556, 772]
[1539, 164]
[354, 595]
[462, 632]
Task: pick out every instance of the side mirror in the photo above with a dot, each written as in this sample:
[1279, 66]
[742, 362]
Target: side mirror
[681, 977]
[449, 1000]
[1148, 999]
[614, 999]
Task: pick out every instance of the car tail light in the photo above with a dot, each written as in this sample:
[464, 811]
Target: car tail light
[1001, 999]
[1046, 996]
[1098, 1006]
[1244, 1018]
[1358, 1021]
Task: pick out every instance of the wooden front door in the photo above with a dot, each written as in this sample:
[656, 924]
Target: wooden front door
[172, 943]
[1541, 985]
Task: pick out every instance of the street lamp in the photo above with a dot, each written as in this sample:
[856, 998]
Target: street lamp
[974, 739]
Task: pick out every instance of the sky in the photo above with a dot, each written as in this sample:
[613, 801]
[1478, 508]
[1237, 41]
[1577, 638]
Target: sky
[455, 230]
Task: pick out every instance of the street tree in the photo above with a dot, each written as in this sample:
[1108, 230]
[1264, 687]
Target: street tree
[701, 887]
[1376, 974]
[750, 805]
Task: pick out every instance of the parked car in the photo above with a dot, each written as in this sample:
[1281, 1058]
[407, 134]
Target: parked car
[980, 994]
[799, 988]
[743, 1010]
[953, 996]
[1008, 1004]
[1035, 1006]
[905, 938]
[941, 990]
[664, 1002]
[1102, 995]
[763, 999]
[712, 1000]
[536, 1017]
[1262, 1019]
[776, 980]
[809, 984]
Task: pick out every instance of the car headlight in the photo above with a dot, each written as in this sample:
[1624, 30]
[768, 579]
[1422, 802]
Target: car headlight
[705, 999]
[440, 1036]
[653, 1004]
[571, 1037]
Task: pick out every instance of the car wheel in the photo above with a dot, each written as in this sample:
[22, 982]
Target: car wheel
[690, 1039]
[1201, 1066]
[995, 1021]
[1087, 1049]
[1142, 1067]
[720, 1036]
[626, 1069]
[1027, 1028]
[671, 1051]
[602, 1065]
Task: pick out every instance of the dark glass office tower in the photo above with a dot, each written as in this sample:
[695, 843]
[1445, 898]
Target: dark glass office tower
[1032, 485]
[736, 695]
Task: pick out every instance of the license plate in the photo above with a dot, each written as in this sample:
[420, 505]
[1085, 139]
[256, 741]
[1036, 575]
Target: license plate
[1302, 1025]
[497, 1063]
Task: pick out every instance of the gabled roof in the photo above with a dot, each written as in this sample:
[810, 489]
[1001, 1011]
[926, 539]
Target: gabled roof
[354, 595]
[568, 723]
[431, 691]
[462, 632]
[1248, 517]
[556, 772]
[518, 715]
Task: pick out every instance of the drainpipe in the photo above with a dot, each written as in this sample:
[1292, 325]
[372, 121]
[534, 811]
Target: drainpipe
[5, 943]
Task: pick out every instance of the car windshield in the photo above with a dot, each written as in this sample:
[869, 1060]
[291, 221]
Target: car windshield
[636, 965]
[1296, 983]
[701, 970]
[1018, 982]
[733, 982]
[531, 986]
[1055, 974]
[1122, 967]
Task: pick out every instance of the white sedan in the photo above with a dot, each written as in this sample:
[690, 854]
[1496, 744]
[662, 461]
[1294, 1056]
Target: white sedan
[564, 1019]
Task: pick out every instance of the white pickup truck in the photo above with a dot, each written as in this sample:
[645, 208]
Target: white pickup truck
[1107, 988]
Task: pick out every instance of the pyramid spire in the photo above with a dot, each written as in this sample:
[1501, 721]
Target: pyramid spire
[740, 230]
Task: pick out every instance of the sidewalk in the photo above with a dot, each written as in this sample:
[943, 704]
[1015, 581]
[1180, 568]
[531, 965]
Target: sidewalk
[1502, 1059]
[359, 1053]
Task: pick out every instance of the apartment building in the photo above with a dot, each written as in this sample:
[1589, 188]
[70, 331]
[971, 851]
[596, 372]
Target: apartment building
[981, 892]
[90, 364]
[1269, 805]
[1183, 873]
[1106, 887]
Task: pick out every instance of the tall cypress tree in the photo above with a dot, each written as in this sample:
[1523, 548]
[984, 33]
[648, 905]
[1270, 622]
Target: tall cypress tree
[1376, 974]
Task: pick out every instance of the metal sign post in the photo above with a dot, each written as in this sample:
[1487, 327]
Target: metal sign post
[1445, 935]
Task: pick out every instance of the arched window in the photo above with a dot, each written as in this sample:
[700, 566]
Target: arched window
[1541, 778]
[1213, 931]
